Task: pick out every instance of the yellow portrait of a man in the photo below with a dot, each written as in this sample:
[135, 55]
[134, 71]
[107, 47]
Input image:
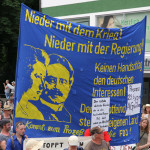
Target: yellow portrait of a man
[52, 81]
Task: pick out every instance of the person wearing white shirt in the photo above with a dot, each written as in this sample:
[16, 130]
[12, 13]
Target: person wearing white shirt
[8, 87]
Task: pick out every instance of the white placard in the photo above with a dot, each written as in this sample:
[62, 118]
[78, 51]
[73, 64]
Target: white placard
[58, 143]
[133, 99]
[100, 112]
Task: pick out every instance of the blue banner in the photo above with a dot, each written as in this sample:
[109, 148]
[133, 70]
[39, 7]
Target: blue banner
[71, 77]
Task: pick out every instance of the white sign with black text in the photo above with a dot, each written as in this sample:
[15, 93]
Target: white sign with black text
[133, 99]
[100, 112]
[57, 143]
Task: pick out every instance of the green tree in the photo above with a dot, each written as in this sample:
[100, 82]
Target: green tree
[9, 31]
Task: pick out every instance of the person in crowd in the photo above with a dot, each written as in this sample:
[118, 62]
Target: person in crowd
[1, 107]
[106, 136]
[1, 103]
[13, 90]
[146, 111]
[7, 87]
[97, 142]
[144, 142]
[5, 132]
[34, 144]
[7, 113]
[10, 101]
[108, 22]
[73, 143]
[3, 145]
[16, 142]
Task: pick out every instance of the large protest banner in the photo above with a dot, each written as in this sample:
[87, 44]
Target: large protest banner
[71, 77]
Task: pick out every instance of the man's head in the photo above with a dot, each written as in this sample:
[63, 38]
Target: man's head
[7, 109]
[58, 80]
[5, 124]
[13, 83]
[73, 142]
[20, 128]
[97, 133]
[7, 81]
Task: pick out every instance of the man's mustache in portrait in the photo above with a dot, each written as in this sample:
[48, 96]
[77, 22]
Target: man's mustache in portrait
[53, 93]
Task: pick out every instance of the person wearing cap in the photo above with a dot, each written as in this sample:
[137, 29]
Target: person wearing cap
[146, 111]
[73, 143]
[10, 101]
[16, 142]
[7, 113]
[97, 142]
[34, 144]
[106, 136]
[5, 132]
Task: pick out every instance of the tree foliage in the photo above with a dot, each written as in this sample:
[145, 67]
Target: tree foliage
[9, 31]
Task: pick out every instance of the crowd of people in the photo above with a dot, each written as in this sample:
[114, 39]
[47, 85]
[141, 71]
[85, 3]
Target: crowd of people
[6, 114]
[99, 138]
[10, 139]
